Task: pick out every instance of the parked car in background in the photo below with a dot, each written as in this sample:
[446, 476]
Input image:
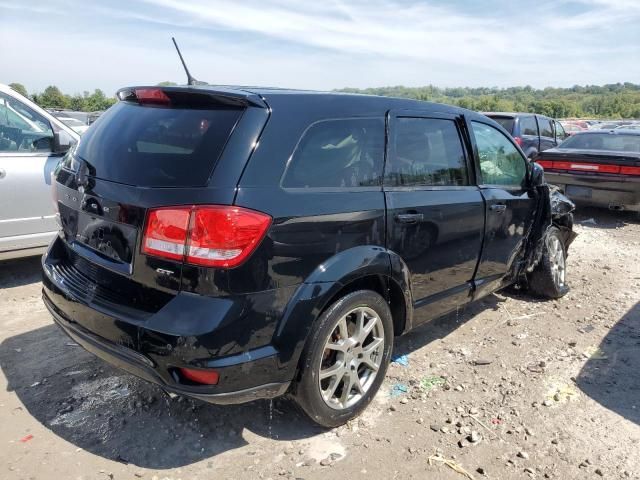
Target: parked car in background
[597, 168]
[239, 243]
[75, 124]
[533, 133]
[32, 142]
[571, 128]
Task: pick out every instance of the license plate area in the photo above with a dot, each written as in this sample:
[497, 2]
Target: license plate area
[578, 192]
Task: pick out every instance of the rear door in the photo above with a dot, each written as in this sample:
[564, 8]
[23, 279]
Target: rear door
[547, 136]
[26, 162]
[502, 180]
[435, 217]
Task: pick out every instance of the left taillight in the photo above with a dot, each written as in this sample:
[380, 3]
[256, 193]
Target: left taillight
[211, 236]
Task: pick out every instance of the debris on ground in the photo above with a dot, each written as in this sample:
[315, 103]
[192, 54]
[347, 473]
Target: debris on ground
[401, 360]
[451, 464]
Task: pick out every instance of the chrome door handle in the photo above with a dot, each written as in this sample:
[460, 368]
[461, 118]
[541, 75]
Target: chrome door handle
[498, 208]
[3, 173]
[409, 217]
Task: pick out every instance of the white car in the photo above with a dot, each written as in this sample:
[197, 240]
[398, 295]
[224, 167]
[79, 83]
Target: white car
[75, 124]
[32, 142]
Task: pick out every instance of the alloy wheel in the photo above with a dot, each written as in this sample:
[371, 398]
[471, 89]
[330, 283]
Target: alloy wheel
[351, 358]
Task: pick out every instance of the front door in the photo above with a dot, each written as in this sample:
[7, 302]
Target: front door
[26, 162]
[502, 177]
[434, 215]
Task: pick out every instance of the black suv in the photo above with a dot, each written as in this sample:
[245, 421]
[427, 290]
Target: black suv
[239, 243]
[533, 133]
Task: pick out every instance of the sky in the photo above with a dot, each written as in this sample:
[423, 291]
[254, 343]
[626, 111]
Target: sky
[81, 45]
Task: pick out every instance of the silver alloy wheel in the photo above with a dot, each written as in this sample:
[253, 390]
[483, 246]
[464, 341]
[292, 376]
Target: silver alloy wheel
[556, 258]
[351, 358]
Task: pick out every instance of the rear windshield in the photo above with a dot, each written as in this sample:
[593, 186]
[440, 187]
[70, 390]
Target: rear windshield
[603, 141]
[506, 122]
[156, 146]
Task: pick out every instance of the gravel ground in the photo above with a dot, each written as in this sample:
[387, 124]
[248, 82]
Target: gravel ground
[509, 388]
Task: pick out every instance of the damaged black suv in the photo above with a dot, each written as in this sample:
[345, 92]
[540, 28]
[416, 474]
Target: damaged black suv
[232, 244]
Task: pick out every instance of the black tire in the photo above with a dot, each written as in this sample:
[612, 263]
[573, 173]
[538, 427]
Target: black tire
[307, 391]
[545, 281]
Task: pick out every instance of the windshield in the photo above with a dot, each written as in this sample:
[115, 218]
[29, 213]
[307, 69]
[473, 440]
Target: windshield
[603, 141]
[156, 146]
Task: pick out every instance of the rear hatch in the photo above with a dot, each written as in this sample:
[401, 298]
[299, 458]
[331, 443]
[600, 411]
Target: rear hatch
[505, 121]
[153, 149]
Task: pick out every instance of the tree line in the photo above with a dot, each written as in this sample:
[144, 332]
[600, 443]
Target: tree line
[53, 98]
[619, 100]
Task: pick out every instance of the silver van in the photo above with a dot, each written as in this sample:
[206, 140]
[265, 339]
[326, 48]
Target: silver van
[32, 142]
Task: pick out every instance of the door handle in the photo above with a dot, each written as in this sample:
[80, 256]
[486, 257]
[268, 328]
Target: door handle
[409, 217]
[3, 173]
[498, 208]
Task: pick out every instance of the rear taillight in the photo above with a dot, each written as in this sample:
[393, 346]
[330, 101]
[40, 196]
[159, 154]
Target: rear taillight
[518, 141]
[212, 236]
[589, 167]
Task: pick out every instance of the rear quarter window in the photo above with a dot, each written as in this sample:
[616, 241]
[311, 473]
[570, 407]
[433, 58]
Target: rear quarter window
[338, 153]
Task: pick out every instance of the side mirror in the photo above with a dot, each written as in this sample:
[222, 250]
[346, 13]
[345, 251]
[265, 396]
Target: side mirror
[62, 142]
[536, 177]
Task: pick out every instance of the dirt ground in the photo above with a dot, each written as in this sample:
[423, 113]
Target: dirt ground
[509, 388]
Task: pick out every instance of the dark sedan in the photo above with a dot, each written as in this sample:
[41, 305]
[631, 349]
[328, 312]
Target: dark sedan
[597, 168]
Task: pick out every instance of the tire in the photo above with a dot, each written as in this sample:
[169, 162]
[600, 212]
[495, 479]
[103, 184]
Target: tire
[325, 398]
[548, 280]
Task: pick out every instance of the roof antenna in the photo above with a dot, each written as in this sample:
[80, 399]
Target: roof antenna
[190, 79]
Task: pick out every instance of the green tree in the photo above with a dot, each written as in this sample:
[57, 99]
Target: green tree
[167, 83]
[18, 87]
[52, 97]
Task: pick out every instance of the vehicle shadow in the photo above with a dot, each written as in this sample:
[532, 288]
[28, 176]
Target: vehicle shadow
[19, 272]
[611, 376]
[114, 415]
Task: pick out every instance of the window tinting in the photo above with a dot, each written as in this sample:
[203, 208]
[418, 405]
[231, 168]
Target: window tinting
[546, 130]
[427, 151]
[506, 122]
[528, 126]
[500, 162]
[338, 153]
[22, 129]
[156, 146]
[603, 141]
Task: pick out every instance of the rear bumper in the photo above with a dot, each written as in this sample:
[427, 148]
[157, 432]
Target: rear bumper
[608, 191]
[155, 345]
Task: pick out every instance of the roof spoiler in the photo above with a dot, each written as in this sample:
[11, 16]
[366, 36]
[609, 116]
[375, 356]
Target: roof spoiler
[222, 95]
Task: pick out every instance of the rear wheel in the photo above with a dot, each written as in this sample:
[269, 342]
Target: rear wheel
[346, 358]
[548, 278]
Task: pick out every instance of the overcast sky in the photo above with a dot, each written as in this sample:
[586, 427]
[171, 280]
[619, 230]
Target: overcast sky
[80, 45]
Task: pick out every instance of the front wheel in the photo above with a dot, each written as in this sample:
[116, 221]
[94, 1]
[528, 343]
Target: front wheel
[346, 358]
[549, 277]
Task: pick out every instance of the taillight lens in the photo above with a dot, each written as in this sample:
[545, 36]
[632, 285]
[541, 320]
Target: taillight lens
[166, 233]
[630, 170]
[212, 236]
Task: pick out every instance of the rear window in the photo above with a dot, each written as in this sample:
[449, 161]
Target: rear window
[156, 146]
[528, 126]
[603, 141]
[506, 122]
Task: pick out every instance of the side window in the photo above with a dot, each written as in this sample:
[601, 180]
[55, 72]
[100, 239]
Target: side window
[528, 126]
[338, 153]
[427, 152]
[22, 129]
[546, 130]
[500, 162]
[560, 133]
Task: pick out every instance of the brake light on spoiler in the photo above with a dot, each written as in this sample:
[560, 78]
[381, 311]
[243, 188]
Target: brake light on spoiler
[207, 235]
[549, 165]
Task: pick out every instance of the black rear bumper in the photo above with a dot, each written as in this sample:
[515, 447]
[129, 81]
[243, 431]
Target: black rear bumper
[153, 346]
[609, 191]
